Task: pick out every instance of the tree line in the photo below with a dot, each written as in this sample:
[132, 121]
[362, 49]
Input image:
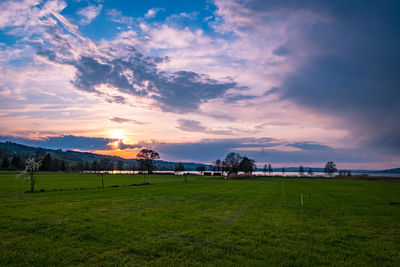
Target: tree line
[233, 163]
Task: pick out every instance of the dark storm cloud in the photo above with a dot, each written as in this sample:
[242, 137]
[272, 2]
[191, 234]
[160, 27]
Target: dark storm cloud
[185, 91]
[352, 70]
[66, 142]
[138, 75]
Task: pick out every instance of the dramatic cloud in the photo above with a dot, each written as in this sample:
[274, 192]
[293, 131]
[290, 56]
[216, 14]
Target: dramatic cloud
[344, 56]
[124, 69]
[138, 75]
[356, 71]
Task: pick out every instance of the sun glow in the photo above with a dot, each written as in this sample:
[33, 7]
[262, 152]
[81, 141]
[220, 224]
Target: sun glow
[118, 137]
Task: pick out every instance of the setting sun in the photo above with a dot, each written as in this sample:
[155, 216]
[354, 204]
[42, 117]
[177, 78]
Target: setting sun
[117, 134]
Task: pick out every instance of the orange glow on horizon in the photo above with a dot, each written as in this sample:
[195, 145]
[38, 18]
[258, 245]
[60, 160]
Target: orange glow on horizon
[123, 153]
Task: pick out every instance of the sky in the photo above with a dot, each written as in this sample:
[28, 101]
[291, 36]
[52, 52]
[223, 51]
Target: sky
[282, 82]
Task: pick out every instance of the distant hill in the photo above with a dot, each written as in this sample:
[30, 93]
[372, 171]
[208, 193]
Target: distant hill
[10, 149]
[396, 170]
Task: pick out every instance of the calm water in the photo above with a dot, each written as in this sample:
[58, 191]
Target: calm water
[258, 173]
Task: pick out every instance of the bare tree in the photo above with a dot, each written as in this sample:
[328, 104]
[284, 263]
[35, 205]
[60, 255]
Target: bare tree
[120, 166]
[301, 170]
[270, 171]
[133, 167]
[265, 169]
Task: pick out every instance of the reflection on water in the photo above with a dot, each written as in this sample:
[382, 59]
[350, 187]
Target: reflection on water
[258, 173]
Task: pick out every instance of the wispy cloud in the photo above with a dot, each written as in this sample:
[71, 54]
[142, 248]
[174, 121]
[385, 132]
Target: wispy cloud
[195, 126]
[124, 120]
[117, 16]
[89, 13]
[152, 12]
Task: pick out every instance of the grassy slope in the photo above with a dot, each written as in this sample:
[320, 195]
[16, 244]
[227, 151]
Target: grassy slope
[204, 221]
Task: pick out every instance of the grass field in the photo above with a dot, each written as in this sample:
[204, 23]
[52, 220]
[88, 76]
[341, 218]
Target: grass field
[205, 221]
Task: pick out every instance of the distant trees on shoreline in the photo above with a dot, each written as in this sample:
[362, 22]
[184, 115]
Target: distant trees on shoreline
[147, 160]
[330, 168]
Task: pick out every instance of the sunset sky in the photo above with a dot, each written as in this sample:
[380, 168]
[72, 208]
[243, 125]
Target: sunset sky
[283, 82]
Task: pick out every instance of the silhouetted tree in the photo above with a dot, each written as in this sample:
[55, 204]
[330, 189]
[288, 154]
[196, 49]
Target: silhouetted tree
[46, 163]
[120, 165]
[147, 157]
[78, 166]
[330, 168]
[104, 164]
[5, 163]
[232, 162]
[178, 168]
[142, 166]
[111, 166]
[95, 166]
[265, 169]
[301, 170]
[40, 152]
[201, 169]
[103, 167]
[310, 172]
[63, 167]
[224, 167]
[217, 166]
[270, 171]
[1, 153]
[55, 164]
[86, 167]
[283, 171]
[133, 167]
[247, 165]
[16, 162]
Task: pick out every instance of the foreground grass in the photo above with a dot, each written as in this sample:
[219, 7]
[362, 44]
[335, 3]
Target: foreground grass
[205, 221]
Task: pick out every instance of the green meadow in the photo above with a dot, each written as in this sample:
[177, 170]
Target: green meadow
[204, 221]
